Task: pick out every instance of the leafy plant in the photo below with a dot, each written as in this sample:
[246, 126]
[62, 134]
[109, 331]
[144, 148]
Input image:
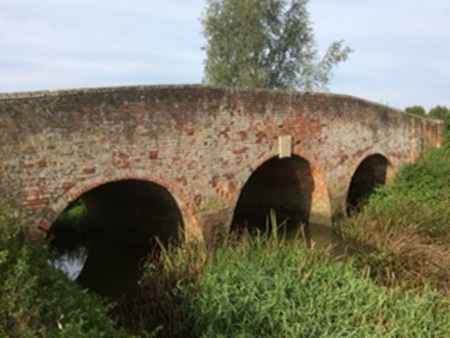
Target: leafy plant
[37, 299]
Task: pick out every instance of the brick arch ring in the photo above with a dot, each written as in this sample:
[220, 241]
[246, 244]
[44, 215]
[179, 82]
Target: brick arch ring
[321, 211]
[356, 163]
[191, 227]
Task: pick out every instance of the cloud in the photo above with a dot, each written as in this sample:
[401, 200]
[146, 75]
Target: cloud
[401, 48]
[53, 43]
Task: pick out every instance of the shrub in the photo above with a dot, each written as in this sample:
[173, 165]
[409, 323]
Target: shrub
[38, 300]
[416, 110]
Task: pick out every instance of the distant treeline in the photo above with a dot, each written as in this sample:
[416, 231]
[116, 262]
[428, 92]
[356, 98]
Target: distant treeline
[437, 112]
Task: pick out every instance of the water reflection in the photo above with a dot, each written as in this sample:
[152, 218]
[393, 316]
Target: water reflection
[71, 263]
[116, 224]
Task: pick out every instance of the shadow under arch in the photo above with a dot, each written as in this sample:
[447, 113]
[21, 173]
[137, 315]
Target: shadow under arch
[370, 173]
[285, 185]
[119, 230]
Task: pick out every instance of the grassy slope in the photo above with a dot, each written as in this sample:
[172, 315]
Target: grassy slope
[405, 229]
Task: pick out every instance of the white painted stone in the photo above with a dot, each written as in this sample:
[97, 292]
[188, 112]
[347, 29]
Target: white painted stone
[284, 146]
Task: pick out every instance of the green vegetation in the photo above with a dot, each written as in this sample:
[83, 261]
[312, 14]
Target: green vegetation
[72, 229]
[441, 113]
[36, 300]
[416, 110]
[265, 44]
[404, 231]
[403, 234]
[252, 286]
[266, 287]
[272, 288]
[394, 283]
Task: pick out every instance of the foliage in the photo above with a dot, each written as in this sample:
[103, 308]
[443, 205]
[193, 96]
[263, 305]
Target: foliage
[36, 300]
[252, 286]
[265, 44]
[416, 110]
[404, 231]
[155, 310]
[264, 287]
[72, 228]
[441, 113]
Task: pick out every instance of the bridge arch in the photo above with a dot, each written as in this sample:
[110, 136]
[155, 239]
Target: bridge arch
[374, 170]
[285, 185]
[126, 214]
[191, 228]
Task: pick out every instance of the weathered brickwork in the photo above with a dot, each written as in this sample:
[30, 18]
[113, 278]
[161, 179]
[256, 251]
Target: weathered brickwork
[200, 143]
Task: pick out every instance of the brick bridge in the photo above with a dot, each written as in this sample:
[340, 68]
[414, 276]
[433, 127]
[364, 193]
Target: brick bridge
[199, 146]
[203, 157]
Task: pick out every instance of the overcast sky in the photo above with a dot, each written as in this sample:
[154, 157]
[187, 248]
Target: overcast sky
[401, 47]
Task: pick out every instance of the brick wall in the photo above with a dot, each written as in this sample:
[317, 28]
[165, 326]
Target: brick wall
[200, 143]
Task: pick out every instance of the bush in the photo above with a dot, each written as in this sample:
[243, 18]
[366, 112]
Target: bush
[416, 110]
[38, 300]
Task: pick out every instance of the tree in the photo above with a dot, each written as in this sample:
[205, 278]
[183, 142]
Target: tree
[265, 44]
[441, 113]
[416, 110]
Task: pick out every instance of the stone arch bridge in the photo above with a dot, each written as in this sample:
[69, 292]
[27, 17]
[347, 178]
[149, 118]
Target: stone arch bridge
[203, 157]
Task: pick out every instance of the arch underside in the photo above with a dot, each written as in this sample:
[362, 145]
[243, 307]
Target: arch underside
[282, 185]
[128, 215]
[125, 223]
[371, 173]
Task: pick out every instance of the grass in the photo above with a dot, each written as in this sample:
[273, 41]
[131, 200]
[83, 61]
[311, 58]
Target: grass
[405, 229]
[396, 284]
[267, 287]
[259, 286]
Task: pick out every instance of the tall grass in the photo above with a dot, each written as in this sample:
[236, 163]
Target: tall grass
[155, 310]
[405, 228]
[267, 287]
[260, 286]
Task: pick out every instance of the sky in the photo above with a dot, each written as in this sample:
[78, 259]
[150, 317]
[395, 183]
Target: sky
[401, 47]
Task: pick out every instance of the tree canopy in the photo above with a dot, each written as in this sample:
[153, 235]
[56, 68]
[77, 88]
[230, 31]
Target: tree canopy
[440, 112]
[265, 44]
[416, 110]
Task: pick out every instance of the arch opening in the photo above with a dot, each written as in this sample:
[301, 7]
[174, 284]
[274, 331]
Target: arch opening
[118, 226]
[284, 185]
[371, 173]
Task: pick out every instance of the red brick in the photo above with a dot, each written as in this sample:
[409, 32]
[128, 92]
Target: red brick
[191, 139]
